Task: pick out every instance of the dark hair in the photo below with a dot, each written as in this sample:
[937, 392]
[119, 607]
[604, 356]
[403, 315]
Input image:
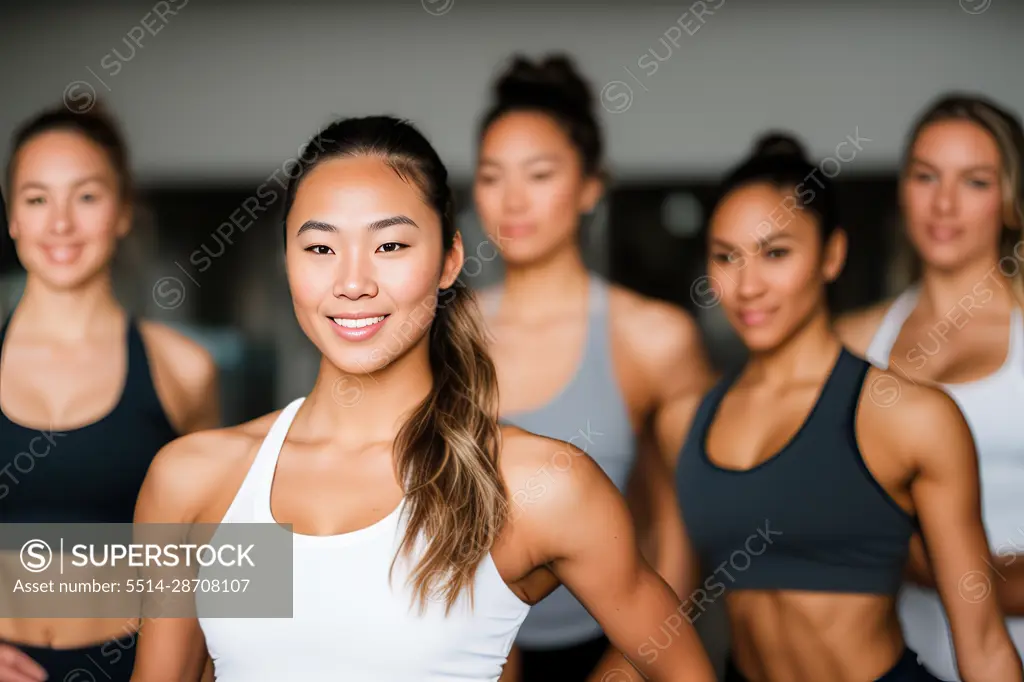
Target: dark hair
[780, 160]
[1005, 128]
[554, 87]
[97, 125]
[447, 451]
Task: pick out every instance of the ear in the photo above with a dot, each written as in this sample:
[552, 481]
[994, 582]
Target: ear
[593, 189]
[452, 262]
[834, 256]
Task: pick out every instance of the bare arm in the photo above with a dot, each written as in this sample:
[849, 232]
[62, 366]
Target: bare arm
[946, 497]
[185, 377]
[584, 532]
[1006, 564]
[672, 364]
[176, 488]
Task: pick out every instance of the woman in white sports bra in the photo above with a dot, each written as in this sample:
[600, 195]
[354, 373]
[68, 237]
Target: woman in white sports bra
[396, 455]
[960, 325]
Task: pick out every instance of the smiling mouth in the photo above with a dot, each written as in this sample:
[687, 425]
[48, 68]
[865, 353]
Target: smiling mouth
[357, 323]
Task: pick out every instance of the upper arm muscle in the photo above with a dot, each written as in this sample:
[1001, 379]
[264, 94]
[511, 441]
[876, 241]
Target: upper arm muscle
[177, 488]
[945, 492]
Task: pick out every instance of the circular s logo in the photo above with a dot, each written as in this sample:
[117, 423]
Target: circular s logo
[36, 556]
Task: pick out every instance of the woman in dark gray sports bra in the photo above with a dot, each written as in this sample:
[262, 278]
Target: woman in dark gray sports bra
[578, 359]
[805, 472]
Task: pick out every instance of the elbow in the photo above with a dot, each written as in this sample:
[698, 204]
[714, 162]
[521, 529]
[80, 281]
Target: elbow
[992, 658]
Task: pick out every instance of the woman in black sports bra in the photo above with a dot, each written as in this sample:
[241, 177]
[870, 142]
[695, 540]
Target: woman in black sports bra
[88, 394]
[805, 472]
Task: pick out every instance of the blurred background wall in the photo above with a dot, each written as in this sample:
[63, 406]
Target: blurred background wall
[216, 97]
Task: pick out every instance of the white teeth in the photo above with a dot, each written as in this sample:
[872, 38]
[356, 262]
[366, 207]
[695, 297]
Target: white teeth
[356, 324]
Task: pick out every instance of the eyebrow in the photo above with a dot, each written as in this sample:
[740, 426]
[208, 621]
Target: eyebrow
[34, 184]
[372, 227]
[525, 162]
[763, 241]
[970, 169]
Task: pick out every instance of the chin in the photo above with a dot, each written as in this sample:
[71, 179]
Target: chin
[65, 280]
[526, 251]
[760, 339]
[365, 360]
[943, 258]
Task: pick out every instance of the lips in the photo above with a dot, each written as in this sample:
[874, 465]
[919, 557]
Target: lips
[358, 326]
[755, 318]
[64, 254]
[515, 230]
[944, 233]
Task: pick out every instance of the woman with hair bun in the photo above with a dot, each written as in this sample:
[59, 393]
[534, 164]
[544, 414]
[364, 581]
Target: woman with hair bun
[801, 479]
[578, 358]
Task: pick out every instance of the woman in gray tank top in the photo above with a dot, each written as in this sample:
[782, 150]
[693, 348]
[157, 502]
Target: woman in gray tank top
[578, 360]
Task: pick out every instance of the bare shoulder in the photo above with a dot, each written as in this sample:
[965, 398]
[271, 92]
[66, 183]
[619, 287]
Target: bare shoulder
[181, 357]
[546, 477]
[184, 375]
[858, 327]
[658, 334]
[911, 418]
[190, 473]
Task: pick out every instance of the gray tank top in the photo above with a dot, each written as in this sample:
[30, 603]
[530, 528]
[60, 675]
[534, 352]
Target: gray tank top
[591, 413]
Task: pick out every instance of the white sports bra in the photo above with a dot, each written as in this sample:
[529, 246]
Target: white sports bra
[994, 409]
[349, 622]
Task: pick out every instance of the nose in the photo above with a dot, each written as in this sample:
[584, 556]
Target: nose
[61, 219]
[513, 197]
[945, 199]
[747, 278]
[355, 277]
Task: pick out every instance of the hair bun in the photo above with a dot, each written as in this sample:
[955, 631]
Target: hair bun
[778, 143]
[555, 78]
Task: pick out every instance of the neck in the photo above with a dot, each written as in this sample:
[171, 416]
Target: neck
[69, 314]
[533, 286]
[979, 285]
[368, 408]
[807, 355]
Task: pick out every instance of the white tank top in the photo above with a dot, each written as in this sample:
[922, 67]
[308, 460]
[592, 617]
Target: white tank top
[349, 622]
[994, 409]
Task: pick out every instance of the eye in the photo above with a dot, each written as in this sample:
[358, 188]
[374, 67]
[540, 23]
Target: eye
[391, 247]
[777, 253]
[543, 175]
[35, 201]
[316, 248]
[731, 257]
[89, 198]
[921, 176]
[980, 184]
[486, 179]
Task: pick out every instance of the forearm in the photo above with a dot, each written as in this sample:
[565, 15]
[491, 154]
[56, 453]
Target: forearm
[670, 551]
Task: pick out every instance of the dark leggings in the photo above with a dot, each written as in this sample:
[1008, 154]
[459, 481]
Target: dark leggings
[110, 661]
[571, 664]
[907, 669]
